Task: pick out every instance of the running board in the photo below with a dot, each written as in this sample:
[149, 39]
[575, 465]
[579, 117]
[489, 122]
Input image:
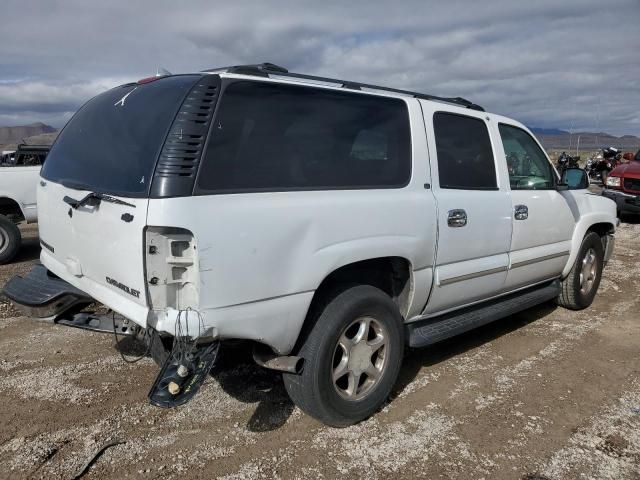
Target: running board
[432, 330]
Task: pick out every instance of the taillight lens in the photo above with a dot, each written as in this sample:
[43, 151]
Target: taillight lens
[613, 182]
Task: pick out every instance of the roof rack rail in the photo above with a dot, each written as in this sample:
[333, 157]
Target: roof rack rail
[268, 69]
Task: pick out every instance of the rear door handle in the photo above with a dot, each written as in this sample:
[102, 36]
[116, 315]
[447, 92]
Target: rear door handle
[457, 218]
[521, 212]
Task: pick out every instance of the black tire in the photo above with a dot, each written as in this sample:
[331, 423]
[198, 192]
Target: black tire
[315, 391]
[573, 294]
[10, 240]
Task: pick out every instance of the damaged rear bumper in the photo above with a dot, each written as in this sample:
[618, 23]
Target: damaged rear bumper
[42, 295]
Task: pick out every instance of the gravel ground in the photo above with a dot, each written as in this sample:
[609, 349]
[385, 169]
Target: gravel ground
[546, 394]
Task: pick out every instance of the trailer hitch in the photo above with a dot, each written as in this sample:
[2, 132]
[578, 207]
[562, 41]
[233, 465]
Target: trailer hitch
[100, 323]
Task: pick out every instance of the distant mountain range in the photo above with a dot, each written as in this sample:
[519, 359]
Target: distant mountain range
[12, 135]
[554, 138]
[551, 138]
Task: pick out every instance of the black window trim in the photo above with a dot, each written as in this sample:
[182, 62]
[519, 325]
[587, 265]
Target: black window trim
[226, 82]
[555, 175]
[493, 153]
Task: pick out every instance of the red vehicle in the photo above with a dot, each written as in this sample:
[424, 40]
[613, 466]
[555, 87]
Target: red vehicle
[623, 186]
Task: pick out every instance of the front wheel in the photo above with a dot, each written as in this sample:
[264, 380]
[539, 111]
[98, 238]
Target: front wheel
[352, 358]
[10, 240]
[579, 288]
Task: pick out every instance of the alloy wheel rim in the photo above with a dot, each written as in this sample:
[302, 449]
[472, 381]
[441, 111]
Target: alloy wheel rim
[588, 271]
[360, 358]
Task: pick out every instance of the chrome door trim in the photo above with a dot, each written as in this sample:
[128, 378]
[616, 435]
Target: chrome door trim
[540, 259]
[469, 276]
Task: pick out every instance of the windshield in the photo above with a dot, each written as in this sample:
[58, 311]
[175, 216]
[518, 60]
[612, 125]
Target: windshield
[112, 143]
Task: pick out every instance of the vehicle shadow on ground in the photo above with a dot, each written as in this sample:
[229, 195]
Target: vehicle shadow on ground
[418, 358]
[241, 378]
[245, 381]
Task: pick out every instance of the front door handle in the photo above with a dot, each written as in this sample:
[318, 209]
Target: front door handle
[521, 212]
[457, 218]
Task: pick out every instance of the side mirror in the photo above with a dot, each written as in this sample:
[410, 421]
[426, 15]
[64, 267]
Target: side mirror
[574, 179]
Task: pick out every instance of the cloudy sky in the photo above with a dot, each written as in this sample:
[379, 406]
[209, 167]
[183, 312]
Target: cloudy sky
[549, 63]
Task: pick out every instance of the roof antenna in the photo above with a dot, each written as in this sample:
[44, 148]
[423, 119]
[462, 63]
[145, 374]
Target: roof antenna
[162, 72]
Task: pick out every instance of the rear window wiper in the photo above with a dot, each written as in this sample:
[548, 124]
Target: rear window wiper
[93, 199]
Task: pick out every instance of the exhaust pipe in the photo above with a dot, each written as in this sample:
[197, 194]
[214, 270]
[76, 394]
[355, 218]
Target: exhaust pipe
[267, 359]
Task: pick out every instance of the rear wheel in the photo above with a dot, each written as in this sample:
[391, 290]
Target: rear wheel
[352, 358]
[579, 288]
[10, 240]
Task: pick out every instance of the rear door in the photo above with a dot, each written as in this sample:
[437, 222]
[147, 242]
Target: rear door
[474, 209]
[110, 147]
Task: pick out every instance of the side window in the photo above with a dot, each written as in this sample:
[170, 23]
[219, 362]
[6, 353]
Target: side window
[276, 137]
[29, 160]
[465, 157]
[529, 168]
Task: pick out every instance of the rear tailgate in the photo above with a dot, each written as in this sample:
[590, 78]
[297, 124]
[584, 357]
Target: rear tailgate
[109, 150]
[98, 249]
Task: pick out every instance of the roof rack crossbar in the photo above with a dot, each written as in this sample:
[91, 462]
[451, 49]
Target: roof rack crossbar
[268, 69]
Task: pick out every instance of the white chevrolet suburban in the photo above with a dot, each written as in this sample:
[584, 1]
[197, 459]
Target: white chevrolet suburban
[331, 223]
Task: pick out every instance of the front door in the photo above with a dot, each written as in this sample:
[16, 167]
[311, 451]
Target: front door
[542, 219]
[474, 210]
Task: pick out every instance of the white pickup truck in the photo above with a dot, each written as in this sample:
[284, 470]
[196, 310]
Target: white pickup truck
[19, 176]
[329, 222]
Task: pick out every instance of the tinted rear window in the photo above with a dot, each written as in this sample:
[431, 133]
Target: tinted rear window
[465, 157]
[112, 143]
[274, 137]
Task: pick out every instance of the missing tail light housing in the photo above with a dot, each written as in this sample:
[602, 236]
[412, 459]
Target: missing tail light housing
[171, 263]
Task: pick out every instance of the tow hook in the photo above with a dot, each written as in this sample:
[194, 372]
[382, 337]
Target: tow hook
[267, 359]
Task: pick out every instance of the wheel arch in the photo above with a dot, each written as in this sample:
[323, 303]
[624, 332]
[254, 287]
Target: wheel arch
[10, 208]
[598, 223]
[393, 275]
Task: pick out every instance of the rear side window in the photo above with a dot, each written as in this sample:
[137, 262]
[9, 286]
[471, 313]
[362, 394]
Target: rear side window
[274, 137]
[465, 157]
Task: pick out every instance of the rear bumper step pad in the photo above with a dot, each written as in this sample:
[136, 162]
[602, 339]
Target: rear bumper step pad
[41, 294]
[426, 332]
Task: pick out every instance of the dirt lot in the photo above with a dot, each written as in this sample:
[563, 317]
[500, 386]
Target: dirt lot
[547, 394]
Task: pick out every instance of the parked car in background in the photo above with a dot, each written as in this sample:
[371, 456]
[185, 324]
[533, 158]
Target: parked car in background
[19, 176]
[330, 223]
[623, 186]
